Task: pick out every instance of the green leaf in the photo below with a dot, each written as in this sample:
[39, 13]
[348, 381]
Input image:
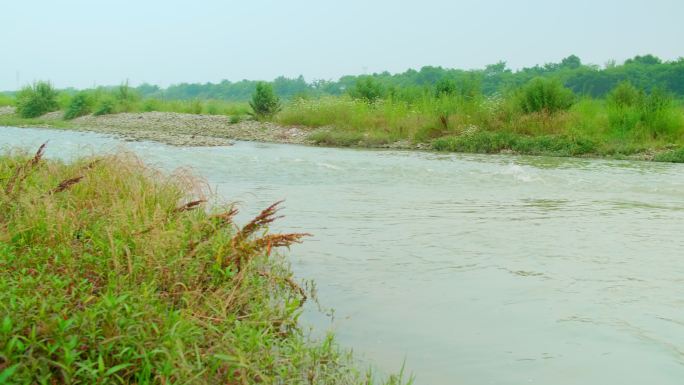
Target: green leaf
[116, 368]
[7, 373]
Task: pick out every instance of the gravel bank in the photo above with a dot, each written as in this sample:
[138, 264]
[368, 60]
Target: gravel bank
[185, 129]
[7, 110]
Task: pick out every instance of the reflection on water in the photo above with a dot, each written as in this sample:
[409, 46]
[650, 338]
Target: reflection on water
[475, 269]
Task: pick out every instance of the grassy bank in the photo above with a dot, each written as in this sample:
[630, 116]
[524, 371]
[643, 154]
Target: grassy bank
[493, 124]
[541, 117]
[113, 273]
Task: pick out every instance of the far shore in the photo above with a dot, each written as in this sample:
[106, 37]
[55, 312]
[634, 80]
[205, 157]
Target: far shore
[201, 130]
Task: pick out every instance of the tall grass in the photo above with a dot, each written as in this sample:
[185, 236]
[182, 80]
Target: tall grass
[541, 118]
[111, 273]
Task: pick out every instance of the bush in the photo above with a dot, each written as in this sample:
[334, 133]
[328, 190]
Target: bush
[368, 89]
[624, 95]
[105, 107]
[445, 87]
[80, 105]
[265, 103]
[36, 100]
[545, 95]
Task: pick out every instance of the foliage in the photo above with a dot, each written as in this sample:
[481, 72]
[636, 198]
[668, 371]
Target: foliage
[445, 87]
[36, 100]
[646, 72]
[367, 89]
[494, 142]
[545, 95]
[673, 156]
[105, 106]
[113, 274]
[653, 114]
[264, 101]
[80, 105]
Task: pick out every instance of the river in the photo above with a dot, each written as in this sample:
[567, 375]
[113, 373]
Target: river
[473, 269]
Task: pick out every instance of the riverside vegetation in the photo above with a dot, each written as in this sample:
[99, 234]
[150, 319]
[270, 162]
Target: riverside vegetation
[112, 273]
[563, 109]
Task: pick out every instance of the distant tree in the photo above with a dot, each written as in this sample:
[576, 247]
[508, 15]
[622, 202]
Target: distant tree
[571, 62]
[368, 89]
[265, 103]
[645, 60]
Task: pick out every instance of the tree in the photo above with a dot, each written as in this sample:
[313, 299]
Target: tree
[265, 103]
[368, 89]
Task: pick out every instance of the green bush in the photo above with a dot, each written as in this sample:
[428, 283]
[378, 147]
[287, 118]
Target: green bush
[445, 87]
[545, 95]
[265, 103]
[625, 95]
[105, 106]
[368, 89]
[80, 105]
[36, 100]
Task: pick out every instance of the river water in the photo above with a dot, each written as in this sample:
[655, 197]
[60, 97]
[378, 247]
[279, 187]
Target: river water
[473, 269]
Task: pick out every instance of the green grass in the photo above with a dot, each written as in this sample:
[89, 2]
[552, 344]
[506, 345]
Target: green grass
[111, 273]
[6, 100]
[487, 125]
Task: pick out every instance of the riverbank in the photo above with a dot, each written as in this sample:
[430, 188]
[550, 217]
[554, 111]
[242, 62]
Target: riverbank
[113, 273]
[183, 129]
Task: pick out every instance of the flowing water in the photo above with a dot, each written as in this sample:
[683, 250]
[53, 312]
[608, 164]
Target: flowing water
[473, 269]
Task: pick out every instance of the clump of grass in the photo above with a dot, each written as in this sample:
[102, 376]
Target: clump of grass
[495, 142]
[672, 156]
[111, 273]
[36, 100]
[634, 112]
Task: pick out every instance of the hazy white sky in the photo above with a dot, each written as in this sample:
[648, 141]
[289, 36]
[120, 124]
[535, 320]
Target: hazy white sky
[80, 43]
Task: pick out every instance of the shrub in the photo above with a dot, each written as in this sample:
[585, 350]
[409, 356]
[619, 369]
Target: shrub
[445, 87]
[545, 95]
[36, 100]
[105, 107]
[265, 103]
[80, 105]
[368, 89]
[624, 95]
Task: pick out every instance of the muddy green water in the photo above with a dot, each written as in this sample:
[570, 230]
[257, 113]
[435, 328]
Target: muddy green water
[474, 269]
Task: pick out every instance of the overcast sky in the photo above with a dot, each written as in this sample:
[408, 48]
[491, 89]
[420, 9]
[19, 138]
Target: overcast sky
[85, 43]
